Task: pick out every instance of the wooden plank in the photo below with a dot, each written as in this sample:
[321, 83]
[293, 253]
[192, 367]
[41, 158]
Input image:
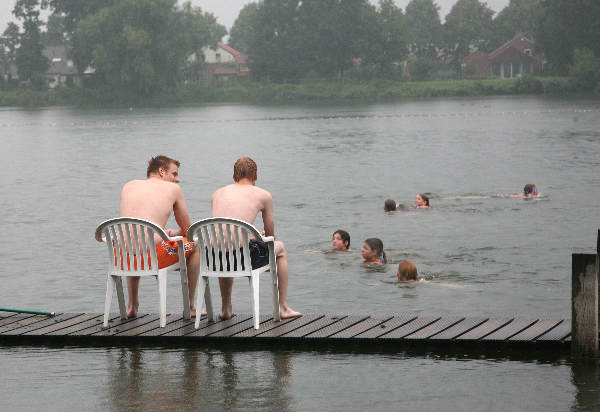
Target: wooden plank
[190, 327]
[240, 327]
[16, 318]
[172, 325]
[23, 322]
[336, 327]
[484, 329]
[360, 327]
[47, 321]
[216, 327]
[514, 327]
[98, 328]
[97, 320]
[387, 326]
[559, 332]
[314, 326]
[287, 327]
[126, 326]
[147, 327]
[461, 327]
[540, 328]
[6, 314]
[434, 328]
[60, 325]
[410, 328]
[264, 327]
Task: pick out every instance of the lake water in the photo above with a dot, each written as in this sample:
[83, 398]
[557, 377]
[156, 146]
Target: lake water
[483, 252]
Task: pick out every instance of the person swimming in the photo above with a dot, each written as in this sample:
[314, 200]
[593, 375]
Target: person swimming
[422, 201]
[530, 190]
[341, 241]
[407, 271]
[372, 251]
[389, 205]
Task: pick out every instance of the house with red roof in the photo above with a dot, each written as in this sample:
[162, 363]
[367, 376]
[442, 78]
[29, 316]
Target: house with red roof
[514, 58]
[224, 64]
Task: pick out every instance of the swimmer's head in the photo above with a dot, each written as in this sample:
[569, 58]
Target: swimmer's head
[389, 205]
[530, 190]
[341, 240]
[244, 168]
[374, 248]
[422, 200]
[407, 271]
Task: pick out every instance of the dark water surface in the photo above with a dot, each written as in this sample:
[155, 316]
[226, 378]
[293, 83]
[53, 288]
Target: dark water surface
[328, 167]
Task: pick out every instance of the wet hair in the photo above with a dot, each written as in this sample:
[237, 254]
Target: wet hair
[377, 245]
[389, 205]
[425, 198]
[529, 188]
[244, 168]
[407, 271]
[344, 235]
[160, 161]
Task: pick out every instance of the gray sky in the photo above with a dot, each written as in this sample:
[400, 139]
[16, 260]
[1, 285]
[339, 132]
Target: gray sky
[227, 11]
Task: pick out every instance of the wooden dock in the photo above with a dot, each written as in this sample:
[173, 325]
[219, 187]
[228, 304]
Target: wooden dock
[397, 332]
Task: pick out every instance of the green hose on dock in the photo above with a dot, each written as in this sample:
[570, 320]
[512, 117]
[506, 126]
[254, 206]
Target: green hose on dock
[33, 312]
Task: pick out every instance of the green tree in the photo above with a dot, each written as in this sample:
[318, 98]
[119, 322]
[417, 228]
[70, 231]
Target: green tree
[586, 69]
[387, 39]
[243, 28]
[467, 28]
[9, 42]
[565, 25]
[141, 46]
[73, 11]
[31, 63]
[424, 29]
[55, 31]
[518, 16]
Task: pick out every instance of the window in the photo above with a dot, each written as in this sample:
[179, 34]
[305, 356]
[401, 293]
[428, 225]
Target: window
[218, 57]
[527, 52]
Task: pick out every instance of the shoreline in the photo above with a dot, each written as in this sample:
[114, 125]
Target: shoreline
[289, 93]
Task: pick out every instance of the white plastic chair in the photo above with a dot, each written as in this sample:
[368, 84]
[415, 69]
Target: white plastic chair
[222, 241]
[127, 240]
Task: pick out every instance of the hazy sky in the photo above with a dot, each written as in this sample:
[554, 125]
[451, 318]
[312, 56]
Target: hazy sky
[227, 11]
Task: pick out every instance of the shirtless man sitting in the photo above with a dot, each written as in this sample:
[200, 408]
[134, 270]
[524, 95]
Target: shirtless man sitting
[243, 200]
[154, 199]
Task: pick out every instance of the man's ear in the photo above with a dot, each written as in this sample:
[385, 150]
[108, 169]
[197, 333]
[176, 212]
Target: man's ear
[161, 171]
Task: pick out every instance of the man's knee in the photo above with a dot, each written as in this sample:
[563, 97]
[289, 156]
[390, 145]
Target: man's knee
[279, 249]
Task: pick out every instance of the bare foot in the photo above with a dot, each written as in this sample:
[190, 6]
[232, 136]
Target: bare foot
[225, 316]
[132, 311]
[287, 312]
[193, 312]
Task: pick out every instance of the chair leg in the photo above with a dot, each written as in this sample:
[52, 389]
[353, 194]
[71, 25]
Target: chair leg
[110, 285]
[120, 296]
[201, 293]
[210, 313]
[162, 295]
[275, 284]
[254, 289]
[186, 294]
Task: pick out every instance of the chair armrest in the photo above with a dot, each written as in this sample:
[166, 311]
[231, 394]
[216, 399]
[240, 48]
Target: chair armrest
[267, 239]
[175, 238]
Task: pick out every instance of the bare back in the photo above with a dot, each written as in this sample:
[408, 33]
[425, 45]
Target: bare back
[154, 199]
[244, 202]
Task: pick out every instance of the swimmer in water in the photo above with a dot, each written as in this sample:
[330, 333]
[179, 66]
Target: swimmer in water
[341, 241]
[372, 252]
[529, 190]
[389, 205]
[422, 201]
[407, 272]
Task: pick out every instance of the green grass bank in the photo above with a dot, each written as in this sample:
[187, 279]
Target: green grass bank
[267, 93]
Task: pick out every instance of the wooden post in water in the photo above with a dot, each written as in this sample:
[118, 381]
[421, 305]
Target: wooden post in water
[584, 309]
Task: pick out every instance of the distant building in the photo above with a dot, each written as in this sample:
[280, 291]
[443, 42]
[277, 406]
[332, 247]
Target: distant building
[514, 58]
[223, 64]
[62, 70]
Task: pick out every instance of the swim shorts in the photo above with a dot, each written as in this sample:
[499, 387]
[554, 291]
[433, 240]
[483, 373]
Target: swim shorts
[259, 256]
[166, 253]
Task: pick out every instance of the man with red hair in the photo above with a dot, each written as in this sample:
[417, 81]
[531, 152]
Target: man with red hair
[244, 200]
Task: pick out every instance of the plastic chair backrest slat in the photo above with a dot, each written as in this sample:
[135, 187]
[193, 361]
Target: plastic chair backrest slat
[212, 235]
[111, 249]
[152, 247]
[247, 263]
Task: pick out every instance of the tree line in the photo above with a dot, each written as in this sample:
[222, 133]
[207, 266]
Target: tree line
[143, 46]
